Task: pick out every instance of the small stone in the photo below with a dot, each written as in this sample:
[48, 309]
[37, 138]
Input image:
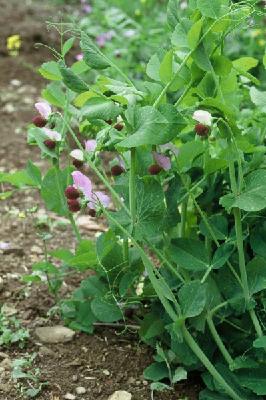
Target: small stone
[106, 372]
[6, 364]
[36, 250]
[8, 310]
[120, 395]
[15, 82]
[3, 355]
[54, 334]
[75, 378]
[131, 380]
[80, 390]
[69, 396]
[145, 383]
[45, 351]
[5, 387]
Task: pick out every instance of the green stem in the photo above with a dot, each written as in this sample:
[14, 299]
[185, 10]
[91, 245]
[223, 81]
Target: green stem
[74, 227]
[219, 341]
[125, 250]
[208, 365]
[183, 218]
[132, 187]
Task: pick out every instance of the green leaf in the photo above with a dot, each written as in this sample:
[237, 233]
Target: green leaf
[151, 326]
[201, 58]
[45, 267]
[54, 94]
[188, 152]
[79, 67]
[18, 179]
[192, 297]
[68, 45]
[256, 271]
[194, 33]
[209, 395]
[222, 65]
[253, 197]
[254, 380]
[127, 282]
[151, 126]
[92, 55]
[189, 254]
[98, 108]
[244, 64]
[156, 372]
[179, 37]
[258, 98]
[219, 225]
[166, 67]
[153, 67]
[222, 255]
[52, 190]
[51, 71]
[172, 13]
[260, 343]
[106, 310]
[209, 9]
[85, 256]
[258, 241]
[73, 81]
[150, 208]
[34, 173]
[180, 374]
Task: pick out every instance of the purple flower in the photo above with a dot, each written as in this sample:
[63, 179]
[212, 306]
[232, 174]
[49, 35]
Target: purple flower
[44, 109]
[84, 185]
[52, 135]
[162, 160]
[79, 57]
[87, 8]
[90, 145]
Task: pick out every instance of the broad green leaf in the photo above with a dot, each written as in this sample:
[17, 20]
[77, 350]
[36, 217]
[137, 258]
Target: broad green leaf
[179, 37]
[82, 98]
[192, 297]
[34, 173]
[209, 9]
[222, 255]
[151, 326]
[79, 67]
[18, 179]
[51, 71]
[201, 58]
[219, 226]
[256, 271]
[180, 374]
[150, 208]
[258, 98]
[45, 267]
[54, 94]
[73, 81]
[253, 197]
[92, 54]
[98, 108]
[153, 67]
[258, 241]
[156, 372]
[68, 45]
[194, 34]
[244, 64]
[106, 310]
[188, 152]
[52, 190]
[189, 254]
[260, 343]
[209, 395]
[254, 379]
[222, 65]
[166, 67]
[172, 13]
[152, 126]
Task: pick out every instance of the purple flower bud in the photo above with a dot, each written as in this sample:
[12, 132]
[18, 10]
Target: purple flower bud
[155, 169]
[73, 205]
[117, 170]
[71, 192]
[50, 144]
[39, 121]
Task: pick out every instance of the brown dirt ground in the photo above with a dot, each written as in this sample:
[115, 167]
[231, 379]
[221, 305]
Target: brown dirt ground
[87, 357]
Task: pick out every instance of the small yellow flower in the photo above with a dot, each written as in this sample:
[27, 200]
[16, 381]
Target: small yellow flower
[13, 44]
[22, 215]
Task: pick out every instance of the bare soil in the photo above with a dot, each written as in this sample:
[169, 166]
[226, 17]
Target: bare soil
[108, 360]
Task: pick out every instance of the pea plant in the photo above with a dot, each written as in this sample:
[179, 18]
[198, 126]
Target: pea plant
[184, 254]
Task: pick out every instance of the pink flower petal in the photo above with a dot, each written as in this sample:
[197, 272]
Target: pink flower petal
[53, 135]
[82, 183]
[79, 57]
[77, 154]
[87, 8]
[90, 145]
[43, 108]
[162, 161]
[102, 198]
